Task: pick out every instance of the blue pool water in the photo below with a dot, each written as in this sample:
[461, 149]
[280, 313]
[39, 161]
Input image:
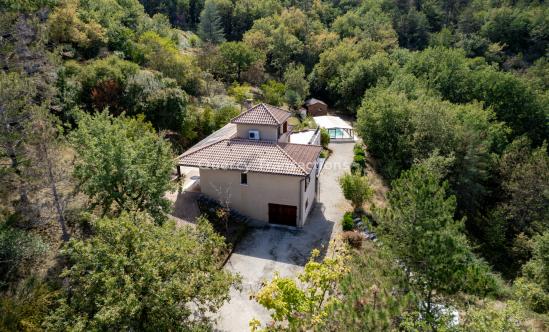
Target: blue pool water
[338, 133]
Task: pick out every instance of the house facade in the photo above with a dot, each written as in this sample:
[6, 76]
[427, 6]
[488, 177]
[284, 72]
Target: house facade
[256, 171]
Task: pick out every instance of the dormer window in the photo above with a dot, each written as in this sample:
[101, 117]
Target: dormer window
[253, 134]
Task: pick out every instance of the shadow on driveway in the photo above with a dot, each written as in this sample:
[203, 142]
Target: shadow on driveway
[287, 244]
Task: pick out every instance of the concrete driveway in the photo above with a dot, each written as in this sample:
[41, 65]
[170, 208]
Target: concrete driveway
[266, 250]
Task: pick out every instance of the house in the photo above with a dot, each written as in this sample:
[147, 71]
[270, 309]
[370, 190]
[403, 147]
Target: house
[250, 164]
[316, 107]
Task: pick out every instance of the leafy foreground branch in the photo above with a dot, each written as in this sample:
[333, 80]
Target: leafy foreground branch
[302, 306]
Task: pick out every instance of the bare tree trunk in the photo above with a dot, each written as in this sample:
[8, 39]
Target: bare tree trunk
[56, 198]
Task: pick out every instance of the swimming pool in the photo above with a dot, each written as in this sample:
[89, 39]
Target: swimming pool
[338, 133]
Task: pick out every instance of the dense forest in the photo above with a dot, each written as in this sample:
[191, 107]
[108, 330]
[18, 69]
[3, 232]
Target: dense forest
[97, 98]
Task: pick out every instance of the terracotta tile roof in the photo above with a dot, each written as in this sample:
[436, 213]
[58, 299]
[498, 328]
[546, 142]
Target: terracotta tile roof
[303, 154]
[225, 132]
[262, 114]
[254, 156]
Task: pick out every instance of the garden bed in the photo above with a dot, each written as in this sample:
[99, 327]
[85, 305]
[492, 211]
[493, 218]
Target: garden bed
[233, 230]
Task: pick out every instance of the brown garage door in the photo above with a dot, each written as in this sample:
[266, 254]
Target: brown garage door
[282, 214]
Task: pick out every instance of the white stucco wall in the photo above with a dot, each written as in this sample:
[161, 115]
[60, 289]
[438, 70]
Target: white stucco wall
[265, 132]
[253, 199]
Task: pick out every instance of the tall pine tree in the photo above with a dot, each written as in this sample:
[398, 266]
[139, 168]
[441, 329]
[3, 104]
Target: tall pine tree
[420, 229]
[209, 28]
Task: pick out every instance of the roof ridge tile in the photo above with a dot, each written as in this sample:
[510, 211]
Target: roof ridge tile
[262, 114]
[267, 108]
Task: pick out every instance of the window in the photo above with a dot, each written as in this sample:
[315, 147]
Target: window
[307, 180]
[244, 178]
[285, 127]
[253, 134]
[306, 204]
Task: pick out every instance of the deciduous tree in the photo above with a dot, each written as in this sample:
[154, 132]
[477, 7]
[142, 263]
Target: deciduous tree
[241, 93]
[66, 26]
[533, 287]
[522, 210]
[400, 130]
[122, 164]
[297, 86]
[135, 275]
[161, 53]
[273, 92]
[159, 98]
[236, 57]
[307, 305]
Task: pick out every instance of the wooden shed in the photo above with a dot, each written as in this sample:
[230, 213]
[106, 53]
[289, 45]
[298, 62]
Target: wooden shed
[316, 107]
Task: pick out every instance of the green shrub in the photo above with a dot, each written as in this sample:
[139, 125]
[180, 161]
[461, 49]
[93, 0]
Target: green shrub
[348, 224]
[532, 294]
[19, 251]
[273, 92]
[324, 137]
[194, 40]
[304, 124]
[24, 307]
[356, 189]
[359, 164]
[323, 154]
[359, 159]
[358, 149]
[532, 288]
[356, 169]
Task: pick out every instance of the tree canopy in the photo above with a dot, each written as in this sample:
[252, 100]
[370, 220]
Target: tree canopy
[122, 165]
[210, 29]
[133, 274]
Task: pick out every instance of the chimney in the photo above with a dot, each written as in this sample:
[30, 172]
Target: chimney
[248, 103]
